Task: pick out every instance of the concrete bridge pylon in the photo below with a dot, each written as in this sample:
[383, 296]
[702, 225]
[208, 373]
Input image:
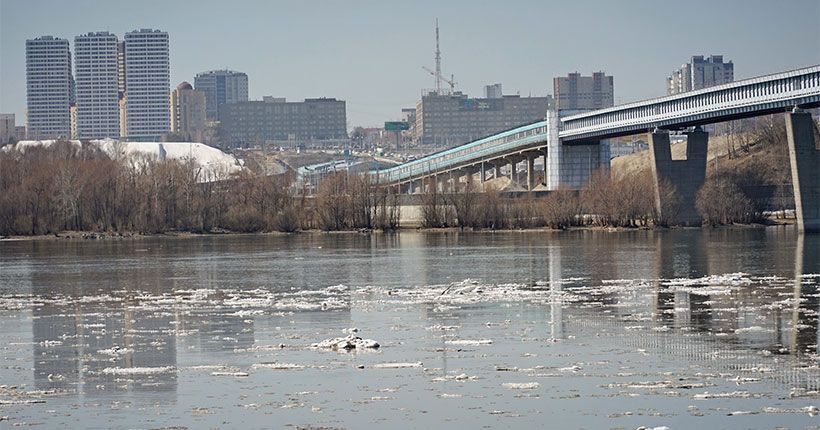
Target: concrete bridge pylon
[687, 175]
[804, 157]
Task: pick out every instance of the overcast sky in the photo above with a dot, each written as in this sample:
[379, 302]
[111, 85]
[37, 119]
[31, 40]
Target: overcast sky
[370, 53]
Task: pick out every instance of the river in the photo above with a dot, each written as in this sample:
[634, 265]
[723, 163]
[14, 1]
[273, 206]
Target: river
[583, 329]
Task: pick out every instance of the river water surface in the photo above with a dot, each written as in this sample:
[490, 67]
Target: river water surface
[683, 329]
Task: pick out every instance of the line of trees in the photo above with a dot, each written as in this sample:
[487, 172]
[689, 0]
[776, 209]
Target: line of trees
[65, 187]
[604, 202]
[45, 190]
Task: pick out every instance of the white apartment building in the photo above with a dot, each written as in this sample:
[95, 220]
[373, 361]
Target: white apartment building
[699, 73]
[48, 88]
[147, 84]
[96, 77]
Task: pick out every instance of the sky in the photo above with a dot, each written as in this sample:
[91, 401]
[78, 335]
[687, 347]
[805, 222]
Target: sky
[371, 53]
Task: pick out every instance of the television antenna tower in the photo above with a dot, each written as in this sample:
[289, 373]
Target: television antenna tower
[438, 62]
[439, 77]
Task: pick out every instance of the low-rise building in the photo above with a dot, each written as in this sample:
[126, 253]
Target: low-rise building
[7, 134]
[20, 132]
[446, 120]
[273, 119]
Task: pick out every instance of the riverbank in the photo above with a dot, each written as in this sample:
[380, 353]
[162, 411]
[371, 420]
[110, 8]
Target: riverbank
[93, 235]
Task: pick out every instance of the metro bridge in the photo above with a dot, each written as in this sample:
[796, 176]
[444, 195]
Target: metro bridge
[574, 146]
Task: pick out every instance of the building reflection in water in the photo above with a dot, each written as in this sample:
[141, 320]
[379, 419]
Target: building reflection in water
[804, 320]
[78, 333]
[556, 288]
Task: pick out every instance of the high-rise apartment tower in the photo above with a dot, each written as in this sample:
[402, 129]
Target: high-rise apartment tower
[48, 88]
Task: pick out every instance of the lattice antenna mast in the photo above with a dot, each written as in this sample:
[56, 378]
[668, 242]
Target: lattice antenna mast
[438, 63]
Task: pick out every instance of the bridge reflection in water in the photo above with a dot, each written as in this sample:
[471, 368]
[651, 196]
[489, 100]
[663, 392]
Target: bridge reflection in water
[736, 331]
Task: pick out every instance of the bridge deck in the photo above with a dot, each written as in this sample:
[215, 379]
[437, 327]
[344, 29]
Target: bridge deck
[750, 97]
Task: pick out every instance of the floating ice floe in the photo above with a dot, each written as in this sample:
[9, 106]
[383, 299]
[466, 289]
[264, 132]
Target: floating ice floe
[397, 365]
[439, 327]
[115, 351]
[347, 343]
[459, 377]
[21, 402]
[753, 329]
[733, 394]
[520, 385]
[49, 343]
[469, 342]
[234, 374]
[126, 371]
[811, 410]
[742, 413]
[278, 366]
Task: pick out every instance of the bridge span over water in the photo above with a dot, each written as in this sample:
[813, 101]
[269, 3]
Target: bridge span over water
[574, 146]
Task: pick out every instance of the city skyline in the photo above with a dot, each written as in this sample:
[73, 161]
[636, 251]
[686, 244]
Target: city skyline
[331, 52]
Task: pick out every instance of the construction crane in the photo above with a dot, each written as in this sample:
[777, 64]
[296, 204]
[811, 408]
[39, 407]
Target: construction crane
[450, 81]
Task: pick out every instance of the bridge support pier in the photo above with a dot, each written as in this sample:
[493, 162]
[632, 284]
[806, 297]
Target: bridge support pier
[805, 165]
[464, 178]
[531, 171]
[570, 166]
[686, 175]
[513, 172]
[546, 152]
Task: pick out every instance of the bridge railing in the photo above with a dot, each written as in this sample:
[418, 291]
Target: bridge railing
[800, 86]
[455, 157]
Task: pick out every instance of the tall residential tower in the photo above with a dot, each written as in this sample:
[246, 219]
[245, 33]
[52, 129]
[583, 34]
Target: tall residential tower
[576, 92]
[221, 87]
[48, 88]
[147, 84]
[97, 99]
[700, 73]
